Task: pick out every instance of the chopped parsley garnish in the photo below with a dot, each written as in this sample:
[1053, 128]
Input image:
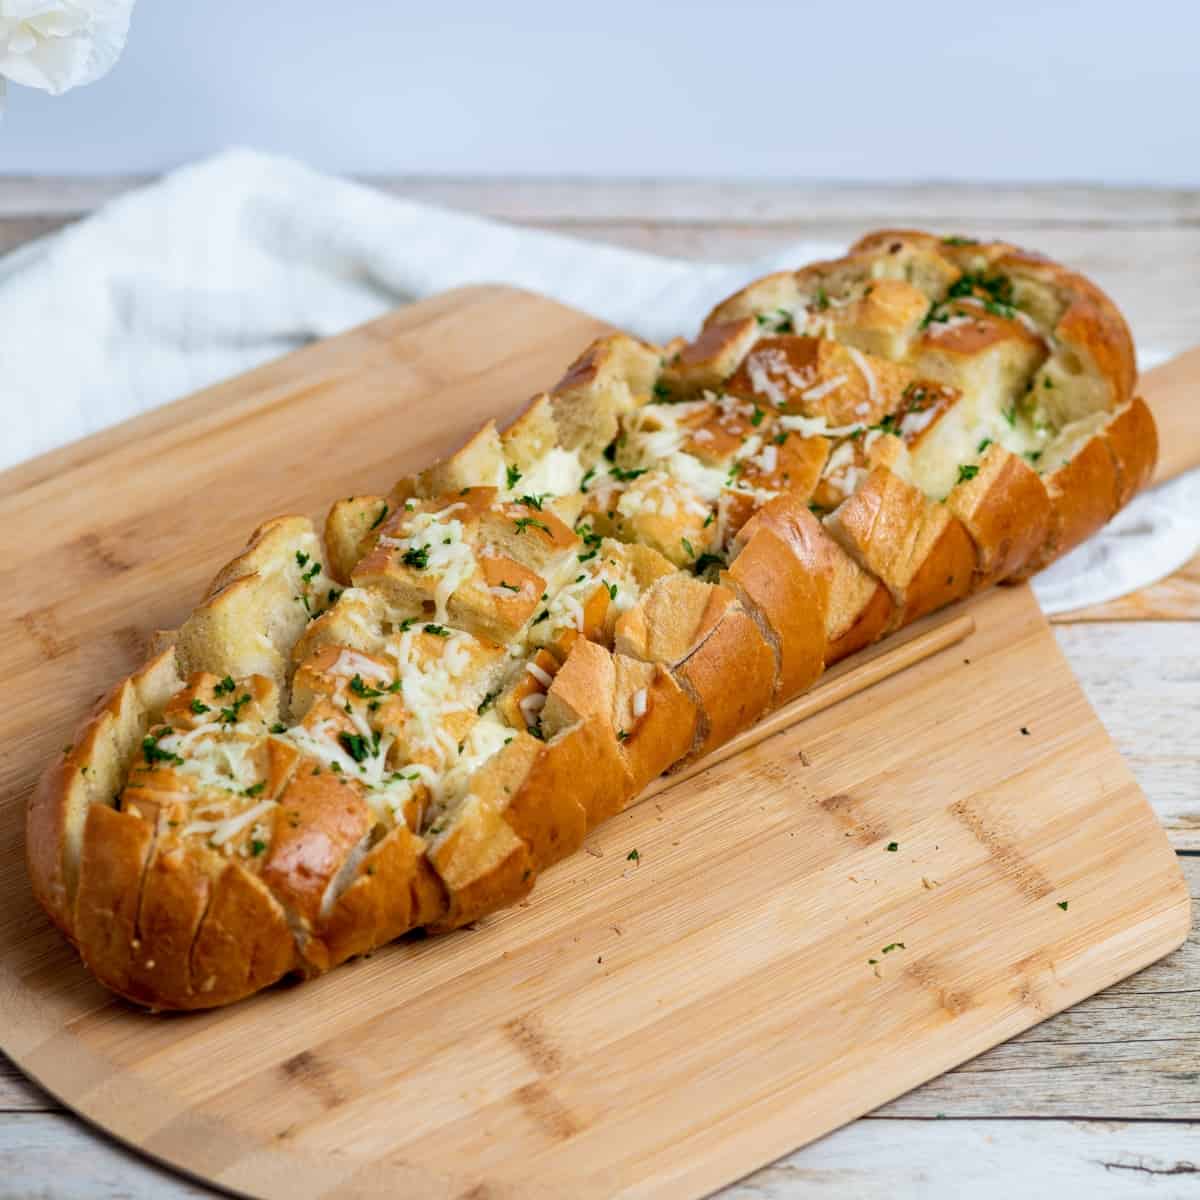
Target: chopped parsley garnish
[779, 439]
[983, 445]
[586, 478]
[894, 946]
[383, 512]
[612, 590]
[224, 687]
[822, 299]
[198, 706]
[626, 475]
[1034, 455]
[335, 594]
[661, 391]
[967, 471]
[687, 547]
[355, 745]
[416, 557]
[513, 476]
[230, 715]
[888, 424]
[1047, 383]
[622, 736]
[257, 847]
[437, 630]
[709, 519]
[407, 624]
[757, 417]
[590, 537]
[523, 523]
[307, 577]
[508, 587]
[536, 731]
[544, 615]
[633, 856]
[532, 501]
[959, 241]
[780, 321]
[996, 288]
[359, 688]
[301, 558]
[153, 753]
[1010, 415]
[278, 727]
[893, 846]
[257, 789]
[1063, 904]
[486, 702]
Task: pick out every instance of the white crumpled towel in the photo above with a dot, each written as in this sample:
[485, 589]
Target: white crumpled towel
[240, 258]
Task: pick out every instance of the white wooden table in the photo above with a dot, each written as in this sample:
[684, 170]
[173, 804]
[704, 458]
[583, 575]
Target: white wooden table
[1103, 1100]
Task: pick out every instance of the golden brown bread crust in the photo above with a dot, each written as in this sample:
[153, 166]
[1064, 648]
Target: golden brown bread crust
[402, 727]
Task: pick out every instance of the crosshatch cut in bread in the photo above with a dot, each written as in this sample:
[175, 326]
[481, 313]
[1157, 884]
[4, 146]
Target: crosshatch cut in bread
[401, 723]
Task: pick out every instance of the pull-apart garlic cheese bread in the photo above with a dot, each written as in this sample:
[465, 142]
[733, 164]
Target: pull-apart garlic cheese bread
[403, 724]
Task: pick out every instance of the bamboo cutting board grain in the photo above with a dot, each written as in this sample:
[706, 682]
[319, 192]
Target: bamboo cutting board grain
[808, 928]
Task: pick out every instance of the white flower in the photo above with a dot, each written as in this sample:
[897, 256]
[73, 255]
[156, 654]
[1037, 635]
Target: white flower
[59, 44]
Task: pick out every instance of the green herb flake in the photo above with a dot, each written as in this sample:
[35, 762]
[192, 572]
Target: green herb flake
[355, 745]
[687, 547]
[513, 475]
[983, 445]
[256, 789]
[383, 512]
[633, 856]
[893, 846]
[416, 557]
[257, 847]
[278, 727]
[153, 753]
[523, 523]
[1063, 904]
[198, 706]
[758, 416]
[894, 946]
[623, 475]
[224, 687]
[437, 630]
[967, 471]
[232, 714]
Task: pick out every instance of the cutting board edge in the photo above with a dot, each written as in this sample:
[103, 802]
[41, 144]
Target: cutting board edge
[199, 1133]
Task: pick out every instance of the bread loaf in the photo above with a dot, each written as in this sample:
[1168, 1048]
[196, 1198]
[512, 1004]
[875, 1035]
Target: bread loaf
[402, 724]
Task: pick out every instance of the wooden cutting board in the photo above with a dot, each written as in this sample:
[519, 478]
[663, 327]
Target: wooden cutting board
[807, 929]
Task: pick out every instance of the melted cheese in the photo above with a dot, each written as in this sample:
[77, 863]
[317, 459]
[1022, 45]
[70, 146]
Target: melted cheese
[448, 558]
[222, 830]
[558, 473]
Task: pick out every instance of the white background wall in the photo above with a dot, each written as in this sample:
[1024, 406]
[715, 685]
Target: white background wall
[882, 89]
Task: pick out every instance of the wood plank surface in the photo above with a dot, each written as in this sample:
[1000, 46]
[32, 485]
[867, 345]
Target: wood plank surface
[629, 1031]
[1130, 1053]
[730, 219]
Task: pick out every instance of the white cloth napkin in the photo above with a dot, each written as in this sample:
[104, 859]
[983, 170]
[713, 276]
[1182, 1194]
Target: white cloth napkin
[242, 257]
